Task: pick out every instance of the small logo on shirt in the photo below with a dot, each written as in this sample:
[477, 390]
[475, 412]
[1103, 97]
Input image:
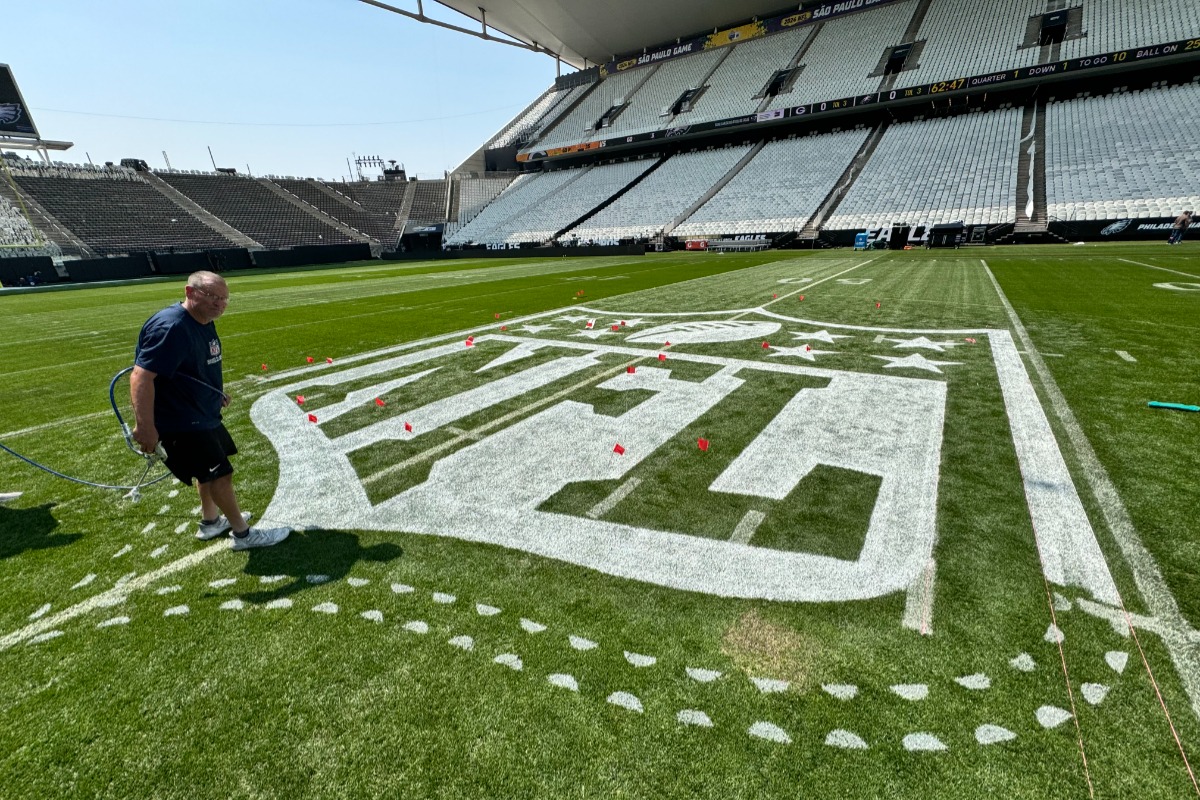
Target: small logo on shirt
[214, 348]
[214, 469]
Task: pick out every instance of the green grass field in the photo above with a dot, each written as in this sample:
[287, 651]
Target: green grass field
[937, 545]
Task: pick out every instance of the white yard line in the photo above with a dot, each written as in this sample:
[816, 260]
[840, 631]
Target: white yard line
[112, 597]
[609, 503]
[56, 424]
[1126, 356]
[806, 288]
[1176, 633]
[1164, 269]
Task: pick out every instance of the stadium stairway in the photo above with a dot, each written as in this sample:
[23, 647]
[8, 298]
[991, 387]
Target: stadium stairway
[610, 200]
[811, 231]
[338, 196]
[187, 204]
[354, 234]
[716, 187]
[44, 221]
[1031, 169]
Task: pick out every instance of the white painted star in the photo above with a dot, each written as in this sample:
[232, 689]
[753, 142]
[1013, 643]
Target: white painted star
[798, 352]
[629, 323]
[820, 336]
[594, 333]
[571, 319]
[916, 361]
[536, 328]
[923, 343]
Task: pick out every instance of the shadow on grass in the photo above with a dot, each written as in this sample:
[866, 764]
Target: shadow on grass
[328, 554]
[23, 529]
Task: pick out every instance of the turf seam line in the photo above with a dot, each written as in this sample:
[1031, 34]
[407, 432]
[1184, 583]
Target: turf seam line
[609, 503]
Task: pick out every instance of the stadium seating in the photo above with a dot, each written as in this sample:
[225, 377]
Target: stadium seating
[743, 74]
[113, 210]
[845, 52]
[252, 208]
[475, 193]
[19, 238]
[537, 206]
[378, 226]
[1118, 25]
[956, 169]
[965, 38]
[780, 189]
[527, 124]
[429, 202]
[660, 91]
[378, 197]
[647, 208]
[1130, 155]
[577, 125]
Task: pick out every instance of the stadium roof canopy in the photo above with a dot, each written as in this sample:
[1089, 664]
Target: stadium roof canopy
[592, 31]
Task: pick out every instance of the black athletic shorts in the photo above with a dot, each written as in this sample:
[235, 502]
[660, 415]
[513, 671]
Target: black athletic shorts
[199, 455]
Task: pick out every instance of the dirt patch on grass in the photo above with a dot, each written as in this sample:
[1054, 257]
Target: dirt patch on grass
[766, 649]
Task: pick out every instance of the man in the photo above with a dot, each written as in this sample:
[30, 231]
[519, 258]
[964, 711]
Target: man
[176, 387]
[1182, 222]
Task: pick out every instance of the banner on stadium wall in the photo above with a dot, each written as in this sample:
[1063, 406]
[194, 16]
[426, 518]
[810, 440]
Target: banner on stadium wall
[1072, 66]
[14, 114]
[1115, 230]
[741, 33]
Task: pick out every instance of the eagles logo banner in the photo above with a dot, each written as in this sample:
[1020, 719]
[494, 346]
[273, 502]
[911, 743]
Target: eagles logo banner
[14, 114]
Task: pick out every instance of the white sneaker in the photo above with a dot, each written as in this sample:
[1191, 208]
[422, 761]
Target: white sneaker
[217, 527]
[259, 537]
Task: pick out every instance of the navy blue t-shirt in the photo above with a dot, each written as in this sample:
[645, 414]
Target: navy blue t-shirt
[172, 344]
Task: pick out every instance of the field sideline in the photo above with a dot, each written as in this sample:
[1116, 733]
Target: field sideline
[784, 524]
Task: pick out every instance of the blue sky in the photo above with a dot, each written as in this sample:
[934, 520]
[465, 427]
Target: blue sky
[283, 70]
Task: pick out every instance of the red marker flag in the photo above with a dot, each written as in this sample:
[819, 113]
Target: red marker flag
[702, 444]
[666, 344]
[503, 327]
[379, 402]
[877, 305]
[299, 399]
[766, 345]
[774, 297]
[469, 343]
[616, 327]
[591, 323]
[631, 370]
[662, 356]
[619, 450]
[801, 297]
[622, 323]
[328, 360]
[970, 340]
[497, 315]
[808, 348]
[309, 359]
[312, 417]
[408, 427]
[264, 367]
